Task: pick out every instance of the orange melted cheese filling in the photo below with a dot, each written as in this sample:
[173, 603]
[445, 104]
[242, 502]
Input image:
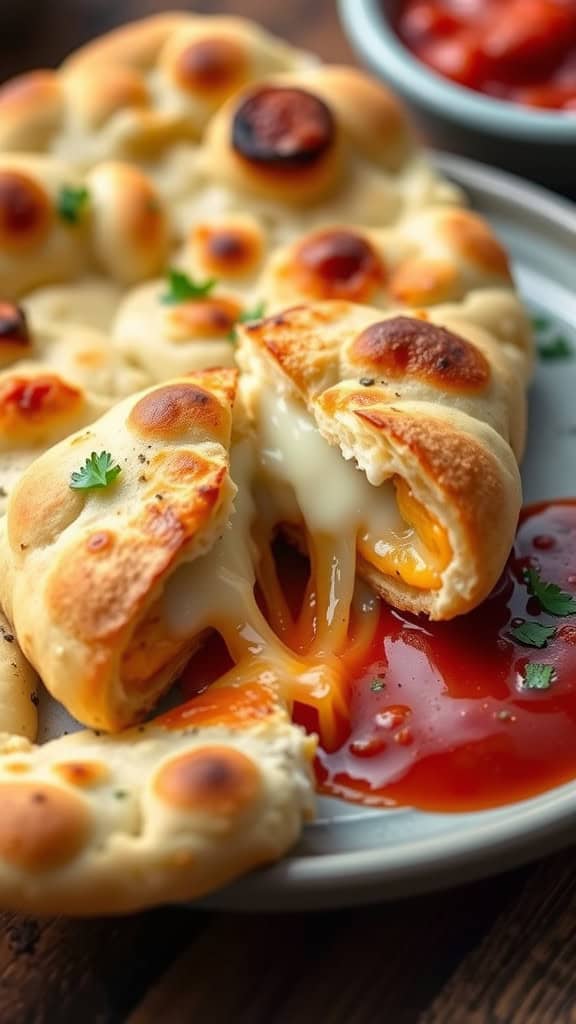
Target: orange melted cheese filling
[419, 554]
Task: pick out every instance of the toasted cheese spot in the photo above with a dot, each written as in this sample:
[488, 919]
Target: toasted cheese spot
[405, 346]
[82, 773]
[214, 780]
[102, 540]
[422, 281]
[174, 410]
[203, 318]
[42, 399]
[41, 826]
[230, 706]
[17, 767]
[473, 239]
[336, 264]
[227, 251]
[25, 211]
[213, 66]
[283, 128]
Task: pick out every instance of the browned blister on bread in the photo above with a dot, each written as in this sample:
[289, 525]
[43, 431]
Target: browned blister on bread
[96, 824]
[140, 89]
[100, 559]
[431, 410]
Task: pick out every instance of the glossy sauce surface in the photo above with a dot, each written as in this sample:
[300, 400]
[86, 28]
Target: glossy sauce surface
[440, 717]
[519, 50]
[439, 714]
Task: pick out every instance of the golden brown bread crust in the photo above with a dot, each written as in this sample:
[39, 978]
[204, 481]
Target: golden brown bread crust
[100, 560]
[437, 404]
[138, 89]
[169, 811]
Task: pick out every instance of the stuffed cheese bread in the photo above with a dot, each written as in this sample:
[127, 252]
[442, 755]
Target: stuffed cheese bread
[392, 440]
[95, 529]
[171, 810]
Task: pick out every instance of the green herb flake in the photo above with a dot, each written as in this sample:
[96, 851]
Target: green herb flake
[72, 202]
[99, 471]
[552, 599]
[120, 794]
[377, 685]
[557, 348]
[537, 676]
[533, 634]
[181, 288]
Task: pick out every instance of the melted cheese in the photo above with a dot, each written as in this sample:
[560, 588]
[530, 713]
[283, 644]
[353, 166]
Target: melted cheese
[216, 591]
[342, 513]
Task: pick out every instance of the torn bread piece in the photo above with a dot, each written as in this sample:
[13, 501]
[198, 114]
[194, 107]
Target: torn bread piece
[84, 569]
[166, 811]
[430, 414]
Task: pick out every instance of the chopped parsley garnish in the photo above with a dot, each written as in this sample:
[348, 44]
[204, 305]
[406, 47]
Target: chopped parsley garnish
[71, 203]
[551, 343]
[377, 685]
[552, 599]
[537, 676]
[533, 634]
[99, 471]
[182, 288]
[557, 348]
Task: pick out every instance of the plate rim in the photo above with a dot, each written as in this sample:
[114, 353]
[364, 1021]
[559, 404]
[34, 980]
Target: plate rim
[348, 878]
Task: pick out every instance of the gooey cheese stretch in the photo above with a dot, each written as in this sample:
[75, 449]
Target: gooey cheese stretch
[306, 480]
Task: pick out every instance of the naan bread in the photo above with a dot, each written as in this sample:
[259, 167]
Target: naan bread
[168, 811]
[83, 571]
[431, 411]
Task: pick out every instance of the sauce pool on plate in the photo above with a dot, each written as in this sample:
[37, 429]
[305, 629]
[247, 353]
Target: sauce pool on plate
[454, 716]
[518, 50]
[466, 714]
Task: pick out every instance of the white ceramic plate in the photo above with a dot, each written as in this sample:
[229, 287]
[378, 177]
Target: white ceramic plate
[352, 855]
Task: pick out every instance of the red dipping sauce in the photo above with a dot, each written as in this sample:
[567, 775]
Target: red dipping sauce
[518, 50]
[439, 715]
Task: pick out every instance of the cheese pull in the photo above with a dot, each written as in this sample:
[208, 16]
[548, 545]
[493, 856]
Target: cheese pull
[84, 570]
[390, 441]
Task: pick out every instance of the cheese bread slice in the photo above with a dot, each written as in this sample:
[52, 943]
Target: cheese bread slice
[84, 570]
[392, 439]
[166, 811]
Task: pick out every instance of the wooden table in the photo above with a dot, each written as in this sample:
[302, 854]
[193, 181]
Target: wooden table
[498, 952]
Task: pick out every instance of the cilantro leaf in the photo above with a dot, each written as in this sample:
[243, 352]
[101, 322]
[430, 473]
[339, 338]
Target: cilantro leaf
[557, 347]
[71, 202]
[533, 634]
[377, 685]
[182, 288]
[552, 599]
[537, 676]
[99, 471]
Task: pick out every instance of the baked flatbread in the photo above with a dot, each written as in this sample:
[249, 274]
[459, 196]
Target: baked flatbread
[430, 411]
[97, 824]
[84, 570]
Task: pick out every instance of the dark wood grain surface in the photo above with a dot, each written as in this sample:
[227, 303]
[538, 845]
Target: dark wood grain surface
[498, 952]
